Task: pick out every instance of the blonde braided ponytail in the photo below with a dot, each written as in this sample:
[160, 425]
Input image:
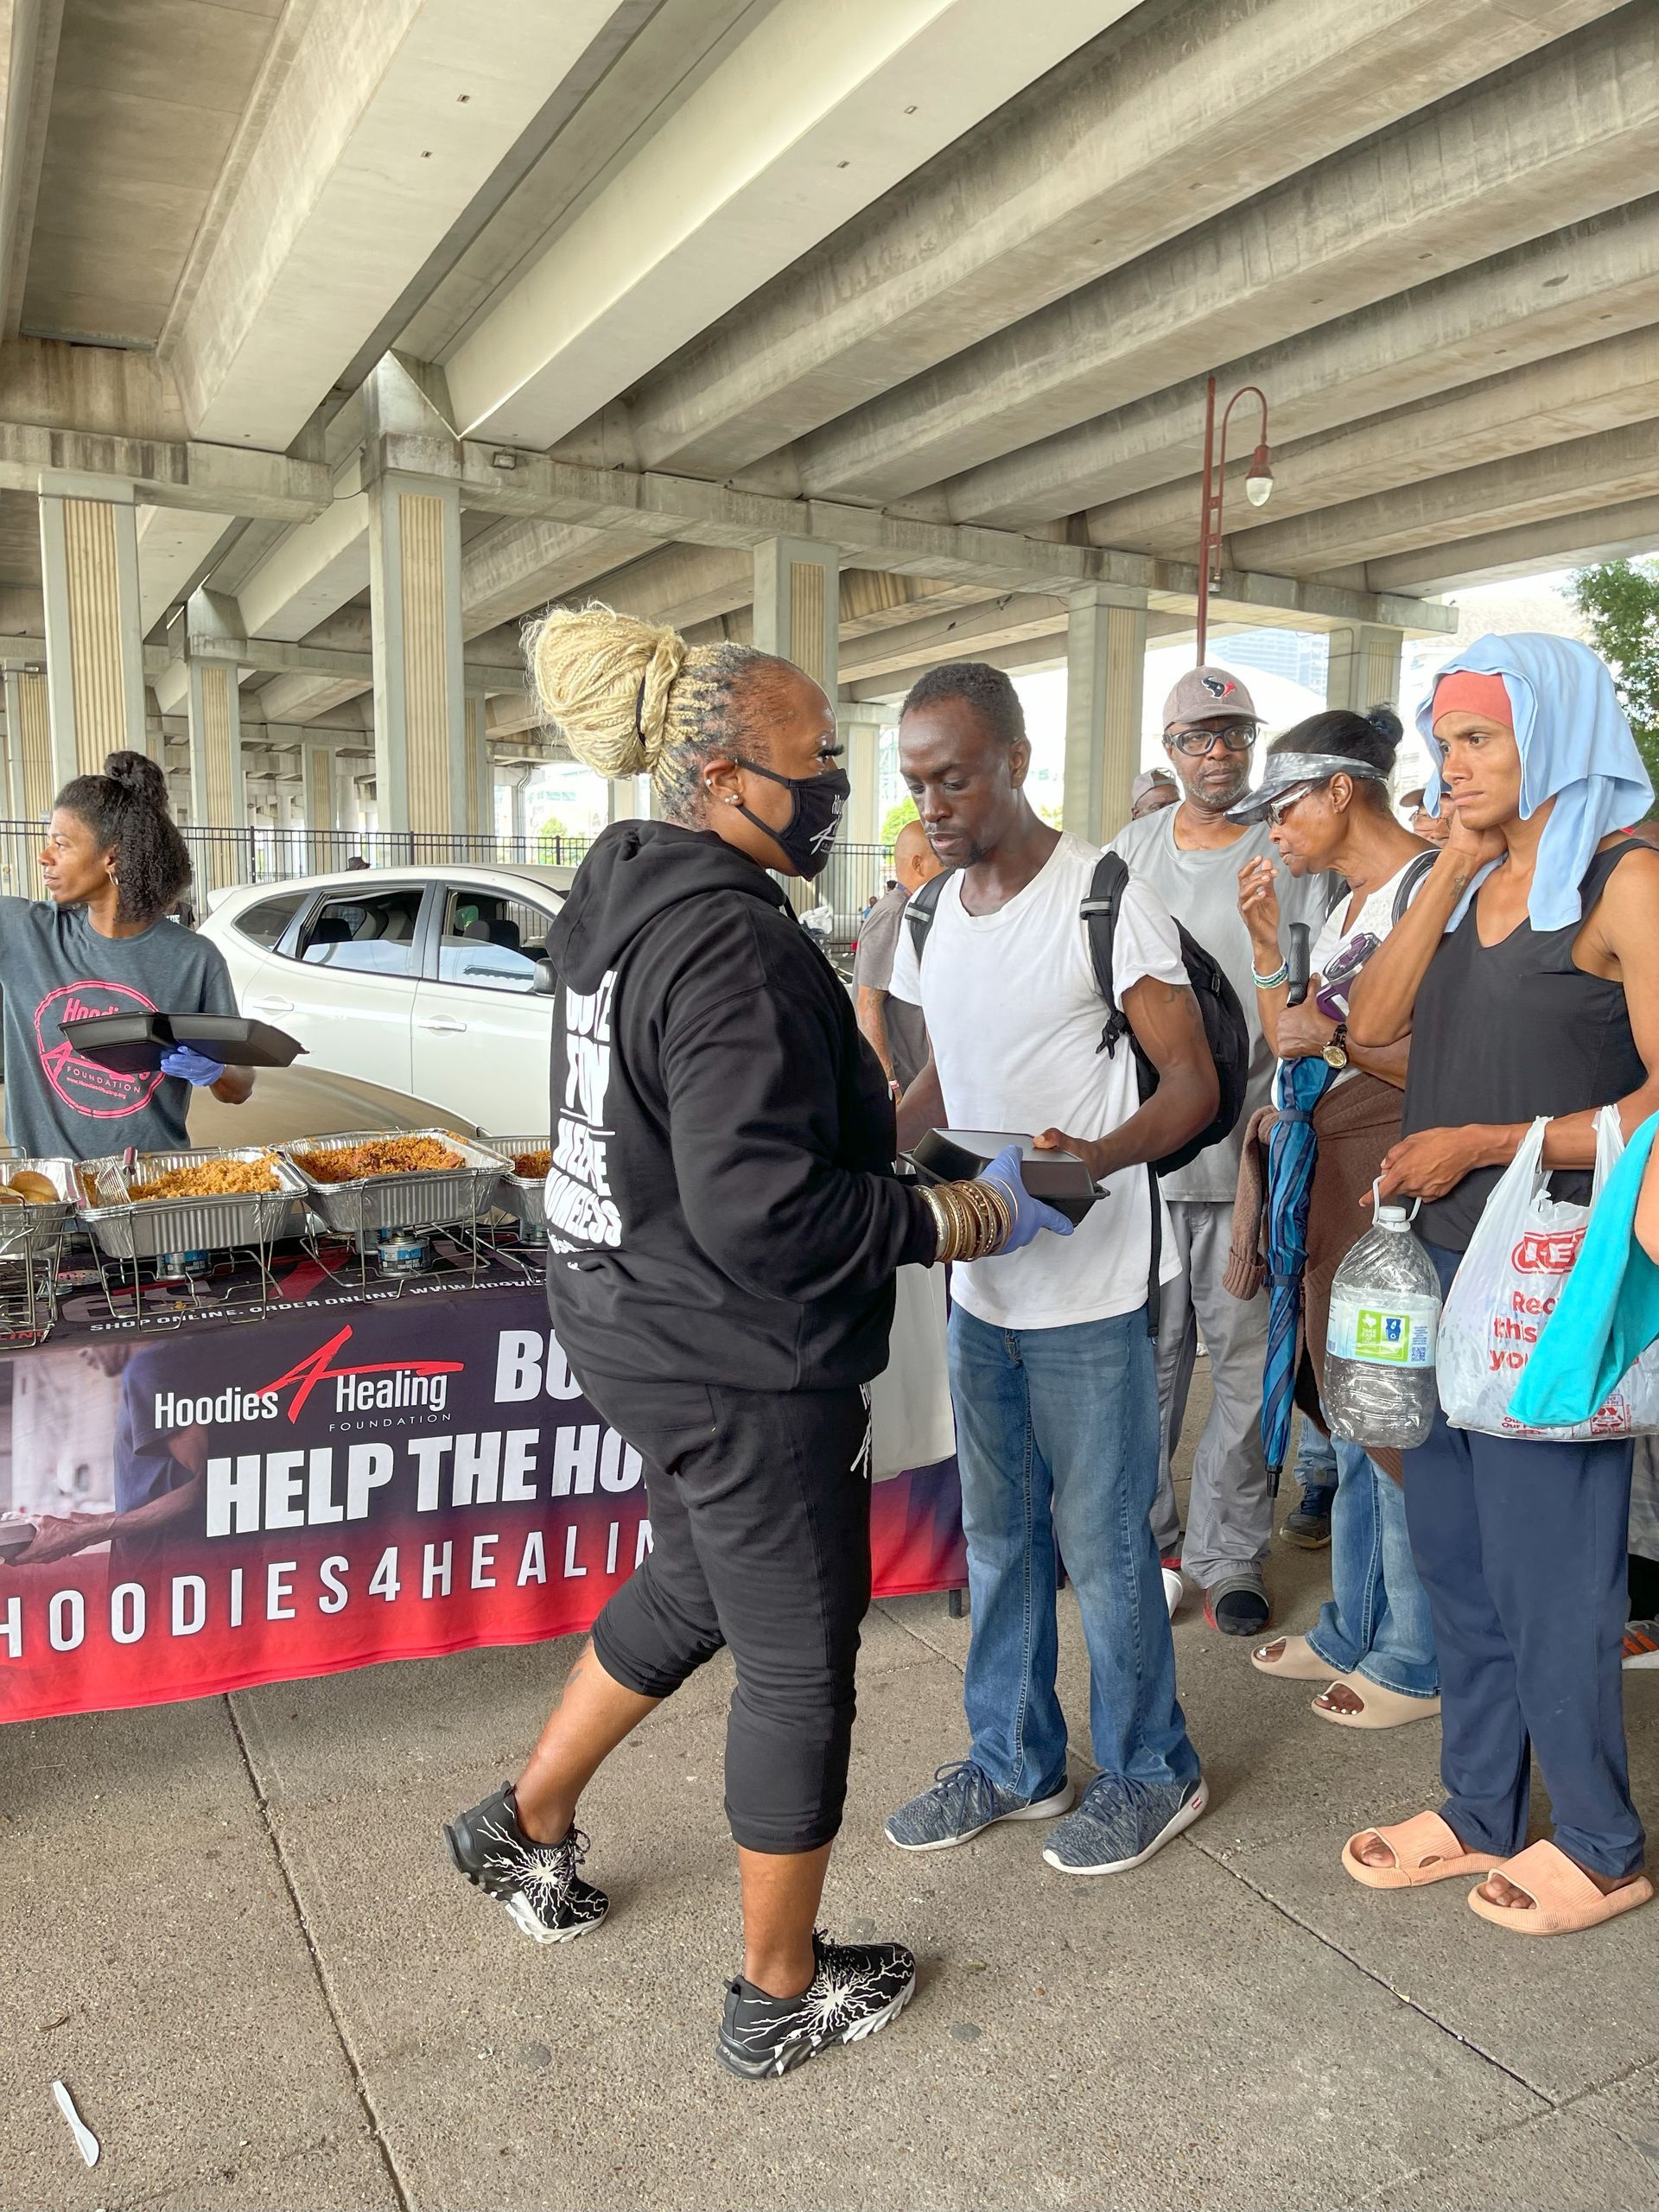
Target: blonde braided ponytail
[632, 698]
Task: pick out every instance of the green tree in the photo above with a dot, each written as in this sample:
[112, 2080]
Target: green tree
[895, 820]
[1620, 602]
[546, 843]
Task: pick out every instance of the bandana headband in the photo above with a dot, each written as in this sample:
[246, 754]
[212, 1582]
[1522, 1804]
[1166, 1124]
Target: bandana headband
[1467, 691]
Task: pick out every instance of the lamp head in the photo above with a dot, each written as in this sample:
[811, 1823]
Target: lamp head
[1258, 484]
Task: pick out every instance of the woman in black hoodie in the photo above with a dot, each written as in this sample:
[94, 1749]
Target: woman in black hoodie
[725, 1227]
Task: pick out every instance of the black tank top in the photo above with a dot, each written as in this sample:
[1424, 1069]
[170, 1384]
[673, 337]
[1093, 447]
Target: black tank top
[1504, 1033]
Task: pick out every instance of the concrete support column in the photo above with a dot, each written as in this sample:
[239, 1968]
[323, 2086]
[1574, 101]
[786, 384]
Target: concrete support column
[420, 748]
[480, 774]
[30, 786]
[95, 637]
[860, 727]
[1364, 670]
[316, 787]
[1105, 673]
[798, 605]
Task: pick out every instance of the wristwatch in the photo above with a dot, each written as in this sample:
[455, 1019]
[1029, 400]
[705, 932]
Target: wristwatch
[1335, 1053]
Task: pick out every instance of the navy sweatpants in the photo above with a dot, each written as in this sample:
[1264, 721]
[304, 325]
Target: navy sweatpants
[1520, 1549]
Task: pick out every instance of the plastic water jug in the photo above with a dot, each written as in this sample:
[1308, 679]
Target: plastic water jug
[1379, 1348]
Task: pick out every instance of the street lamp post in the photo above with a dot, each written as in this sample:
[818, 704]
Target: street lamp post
[1258, 489]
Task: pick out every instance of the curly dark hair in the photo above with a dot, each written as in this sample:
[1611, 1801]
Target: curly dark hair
[978, 685]
[126, 811]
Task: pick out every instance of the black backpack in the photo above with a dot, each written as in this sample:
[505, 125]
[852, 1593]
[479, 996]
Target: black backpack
[1224, 1028]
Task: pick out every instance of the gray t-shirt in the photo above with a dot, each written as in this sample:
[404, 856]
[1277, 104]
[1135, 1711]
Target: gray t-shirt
[878, 940]
[56, 968]
[1201, 890]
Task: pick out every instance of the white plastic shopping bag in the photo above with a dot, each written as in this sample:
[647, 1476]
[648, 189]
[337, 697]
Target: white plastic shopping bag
[1522, 1252]
[910, 1421]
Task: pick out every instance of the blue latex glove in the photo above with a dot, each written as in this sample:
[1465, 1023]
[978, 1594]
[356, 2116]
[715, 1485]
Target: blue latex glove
[1030, 1214]
[192, 1067]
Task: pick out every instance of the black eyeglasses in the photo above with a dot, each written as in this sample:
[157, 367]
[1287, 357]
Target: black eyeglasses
[1238, 737]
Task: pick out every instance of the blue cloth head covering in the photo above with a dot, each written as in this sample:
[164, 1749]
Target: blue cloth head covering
[1575, 748]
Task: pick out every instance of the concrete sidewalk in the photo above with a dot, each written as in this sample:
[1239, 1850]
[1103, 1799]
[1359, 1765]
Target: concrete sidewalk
[231, 1926]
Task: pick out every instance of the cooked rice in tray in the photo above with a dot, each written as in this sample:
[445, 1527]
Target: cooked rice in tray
[381, 1156]
[532, 1163]
[210, 1179]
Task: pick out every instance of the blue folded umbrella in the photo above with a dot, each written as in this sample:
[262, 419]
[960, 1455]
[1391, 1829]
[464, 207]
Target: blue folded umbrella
[1607, 1313]
[1293, 1150]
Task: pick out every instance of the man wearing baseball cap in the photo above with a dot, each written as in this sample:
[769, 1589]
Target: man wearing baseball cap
[1190, 854]
[1156, 788]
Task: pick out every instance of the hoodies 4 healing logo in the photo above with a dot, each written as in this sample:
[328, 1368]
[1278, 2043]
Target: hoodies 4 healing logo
[578, 1200]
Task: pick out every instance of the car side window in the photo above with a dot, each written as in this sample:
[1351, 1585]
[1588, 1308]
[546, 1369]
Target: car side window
[264, 922]
[490, 941]
[371, 931]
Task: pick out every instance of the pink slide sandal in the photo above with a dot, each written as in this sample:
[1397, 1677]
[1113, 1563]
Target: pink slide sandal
[1425, 1850]
[1565, 1901]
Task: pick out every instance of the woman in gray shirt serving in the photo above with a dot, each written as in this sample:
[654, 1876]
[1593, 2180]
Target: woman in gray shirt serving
[114, 864]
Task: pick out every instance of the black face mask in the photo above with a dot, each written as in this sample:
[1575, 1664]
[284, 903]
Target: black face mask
[816, 805]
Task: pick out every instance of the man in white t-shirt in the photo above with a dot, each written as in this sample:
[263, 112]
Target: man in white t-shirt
[1051, 1364]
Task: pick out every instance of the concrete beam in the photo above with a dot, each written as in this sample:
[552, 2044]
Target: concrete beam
[1567, 540]
[215, 480]
[311, 574]
[1600, 471]
[276, 656]
[525, 565]
[712, 514]
[1088, 170]
[875, 598]
[176, 547]
[815, 114]
[30, 653]
[29, 53]
[1024, 658]
[965, 633]
[1599, 387]
[388, 121]
[1558, 137]
[1523, 305]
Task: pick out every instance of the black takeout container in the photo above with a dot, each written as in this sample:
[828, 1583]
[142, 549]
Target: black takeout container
[1058, 1179]
[131, 1044]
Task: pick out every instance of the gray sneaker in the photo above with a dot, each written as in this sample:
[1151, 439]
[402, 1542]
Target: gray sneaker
[1120, 1824]
[963, 1800]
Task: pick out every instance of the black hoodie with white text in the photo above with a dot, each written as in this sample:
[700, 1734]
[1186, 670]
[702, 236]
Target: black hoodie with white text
[721, 1206]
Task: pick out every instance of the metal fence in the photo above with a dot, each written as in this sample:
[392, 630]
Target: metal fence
[856, 874]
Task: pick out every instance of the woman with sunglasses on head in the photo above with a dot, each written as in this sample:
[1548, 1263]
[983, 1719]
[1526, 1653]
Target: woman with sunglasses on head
[1526, 975]
[1323, 794]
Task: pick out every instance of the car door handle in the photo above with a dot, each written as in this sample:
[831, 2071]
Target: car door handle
[444, 1028]
[271, 1006]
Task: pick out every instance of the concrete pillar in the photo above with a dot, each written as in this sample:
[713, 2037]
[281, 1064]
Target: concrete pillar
[316, 787]
[1105, 672]
[420, 749]
[30, 785]
[94, 641]
[859, 727]
[1364, 670]
[480, 774]
[798, 605]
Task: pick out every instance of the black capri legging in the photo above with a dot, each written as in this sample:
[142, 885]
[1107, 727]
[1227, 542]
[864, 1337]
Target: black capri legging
[761, 1540]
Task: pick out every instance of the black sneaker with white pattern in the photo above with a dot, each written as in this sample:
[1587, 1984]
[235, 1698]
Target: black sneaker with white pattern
[857, 1989]
[537, 1882]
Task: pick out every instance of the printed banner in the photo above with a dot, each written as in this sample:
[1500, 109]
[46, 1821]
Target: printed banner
[335, 1485]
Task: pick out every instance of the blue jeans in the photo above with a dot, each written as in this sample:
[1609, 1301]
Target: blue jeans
[1316, 1463]
[1376, 1624]
[1057, 1441]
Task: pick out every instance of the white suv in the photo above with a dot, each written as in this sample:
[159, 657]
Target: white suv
[429, 981]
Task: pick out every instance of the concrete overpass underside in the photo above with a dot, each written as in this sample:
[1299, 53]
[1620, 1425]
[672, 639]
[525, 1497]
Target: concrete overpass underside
[338, 339]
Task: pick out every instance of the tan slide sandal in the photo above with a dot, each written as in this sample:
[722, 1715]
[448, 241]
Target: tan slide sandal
[1297, 1662]
[1425, 1850]
[1565, 1901]
[1378, 1708]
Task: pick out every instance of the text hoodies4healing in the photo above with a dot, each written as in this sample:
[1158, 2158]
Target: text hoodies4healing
[721, 1206]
